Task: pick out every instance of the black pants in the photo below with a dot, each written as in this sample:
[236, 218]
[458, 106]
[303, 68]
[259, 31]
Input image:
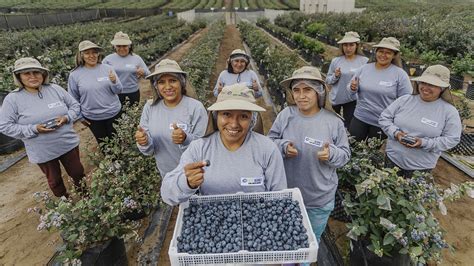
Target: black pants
[133, 97]
[402, 172]
[103, 128]
[361, 130]
[347, 111]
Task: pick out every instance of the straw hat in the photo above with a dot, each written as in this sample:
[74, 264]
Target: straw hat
[436, 75]
[350, 37]
[235, 97]
[306, 72]
[121, 38]
[27, 64]
[166, 66]
[389, 43]
[86, 45]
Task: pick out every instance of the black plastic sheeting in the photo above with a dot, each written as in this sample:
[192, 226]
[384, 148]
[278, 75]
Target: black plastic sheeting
[465, 146]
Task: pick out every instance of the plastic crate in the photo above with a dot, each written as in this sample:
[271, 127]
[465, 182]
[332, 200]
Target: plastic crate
[243, 256]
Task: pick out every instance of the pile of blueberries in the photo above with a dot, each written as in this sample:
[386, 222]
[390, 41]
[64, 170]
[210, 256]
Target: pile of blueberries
[253, 225]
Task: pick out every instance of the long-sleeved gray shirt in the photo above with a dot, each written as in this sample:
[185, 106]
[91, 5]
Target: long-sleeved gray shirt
[247, 77]
[157, 120]
[436, 123]
[256, 166]
[22, 111]
[377, 90]
[126, 68]
[339, 93]
[96, 94]
[316, 179]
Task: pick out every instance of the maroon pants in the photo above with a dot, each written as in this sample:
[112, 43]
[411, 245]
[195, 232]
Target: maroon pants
[72, 163]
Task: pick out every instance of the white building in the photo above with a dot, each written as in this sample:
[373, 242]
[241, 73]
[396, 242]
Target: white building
[324, 6]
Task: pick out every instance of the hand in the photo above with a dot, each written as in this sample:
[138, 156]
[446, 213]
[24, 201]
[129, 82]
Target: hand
[416, 145]
[140, 72]
[178, 135]
[291, 151]
[355, 84]
[61, 121]
[254, 85]
[42, 129]
[141, 137]
[337, 72]
[399, 136]
[194, 173]
[220, 87]
[112, 77]
[324, 154]
[86, 123]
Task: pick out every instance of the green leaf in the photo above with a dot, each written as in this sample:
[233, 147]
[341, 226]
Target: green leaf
[381, 199]
[416, 251]
[388, 240]
[72, 237]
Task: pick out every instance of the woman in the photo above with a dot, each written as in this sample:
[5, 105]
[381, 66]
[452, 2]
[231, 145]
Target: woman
[129, 67]
[42, 115]
[340, 73]
[172, 120]
[95, 86]
[421, 126]
[237, 72]
[314, 144]
[240, 160]
[377, 85]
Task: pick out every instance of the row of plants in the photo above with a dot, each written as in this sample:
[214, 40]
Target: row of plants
[275, 62]
[210, 4]
[199, 62]
[436, 33]
[392, 215]
[56, 46]
[55, 4]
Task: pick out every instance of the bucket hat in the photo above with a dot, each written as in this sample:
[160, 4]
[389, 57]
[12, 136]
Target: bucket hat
[121, 38]
[350, 37]
[166, 66]
[306, 72]
[238, 53]
[389, 43]
[235, 97]
[86, 45]
[26, 64]
[436, 75]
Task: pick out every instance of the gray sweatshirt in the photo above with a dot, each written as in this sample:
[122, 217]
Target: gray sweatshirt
[256, 166]
[436, 123]
[126, 68]
[316, 179]
[339, 93]
[22, 111]
[157, 121]
[97, 95]
[246, 77]
[377, 90]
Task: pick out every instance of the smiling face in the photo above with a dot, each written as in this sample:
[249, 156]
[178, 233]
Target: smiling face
[90, 57]
[384, 57]
[306, 99]
[238, 65]
[233, 127]
[122, 50]
[349, 49]
[169, 88]
[32, 79]
[428, 92]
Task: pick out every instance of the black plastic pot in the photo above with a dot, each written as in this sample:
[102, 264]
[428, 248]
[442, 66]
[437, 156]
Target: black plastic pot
[7, 144]
[456, 82]
[338, 213]
[361, 256]
[470, 92]
[111, 252]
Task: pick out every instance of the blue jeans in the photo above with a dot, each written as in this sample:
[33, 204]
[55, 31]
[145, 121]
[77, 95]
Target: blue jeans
[319, 218]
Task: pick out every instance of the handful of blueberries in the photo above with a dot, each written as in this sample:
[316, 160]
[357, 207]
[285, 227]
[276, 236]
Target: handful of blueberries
[253, 225]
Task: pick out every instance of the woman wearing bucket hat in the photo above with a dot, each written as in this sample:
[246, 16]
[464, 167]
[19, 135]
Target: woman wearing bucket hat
[240, 160]
[313, 142]
[340, 73]
[171, 120]
[377, 85]
[420, 126]
[237, 72]
[129, 67]
[95, 86]
[42, 115]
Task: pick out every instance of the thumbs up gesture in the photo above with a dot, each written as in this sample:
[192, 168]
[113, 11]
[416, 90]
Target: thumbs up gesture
[220, 87]
[178, 135]
[337, 72]
[254, 85]
[194, 173]
[355, 84]
[112, 76]
[141, 137]
[140, 72]
[291, 151]
[324, 154]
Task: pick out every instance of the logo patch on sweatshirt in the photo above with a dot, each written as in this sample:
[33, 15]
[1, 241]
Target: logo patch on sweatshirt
[251, 181]
[100, 79]
[429, 122]
[180, 125]
[386, 83]
[130, 66]
[54, 105]
[313, 142]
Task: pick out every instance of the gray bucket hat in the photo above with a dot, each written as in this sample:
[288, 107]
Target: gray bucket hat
[306, 72]
[436, 75]
[27, 64]
[86, 45]
[166, 66]
[389, 43]
[121, 38]
[350, 37]
[235, 97]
